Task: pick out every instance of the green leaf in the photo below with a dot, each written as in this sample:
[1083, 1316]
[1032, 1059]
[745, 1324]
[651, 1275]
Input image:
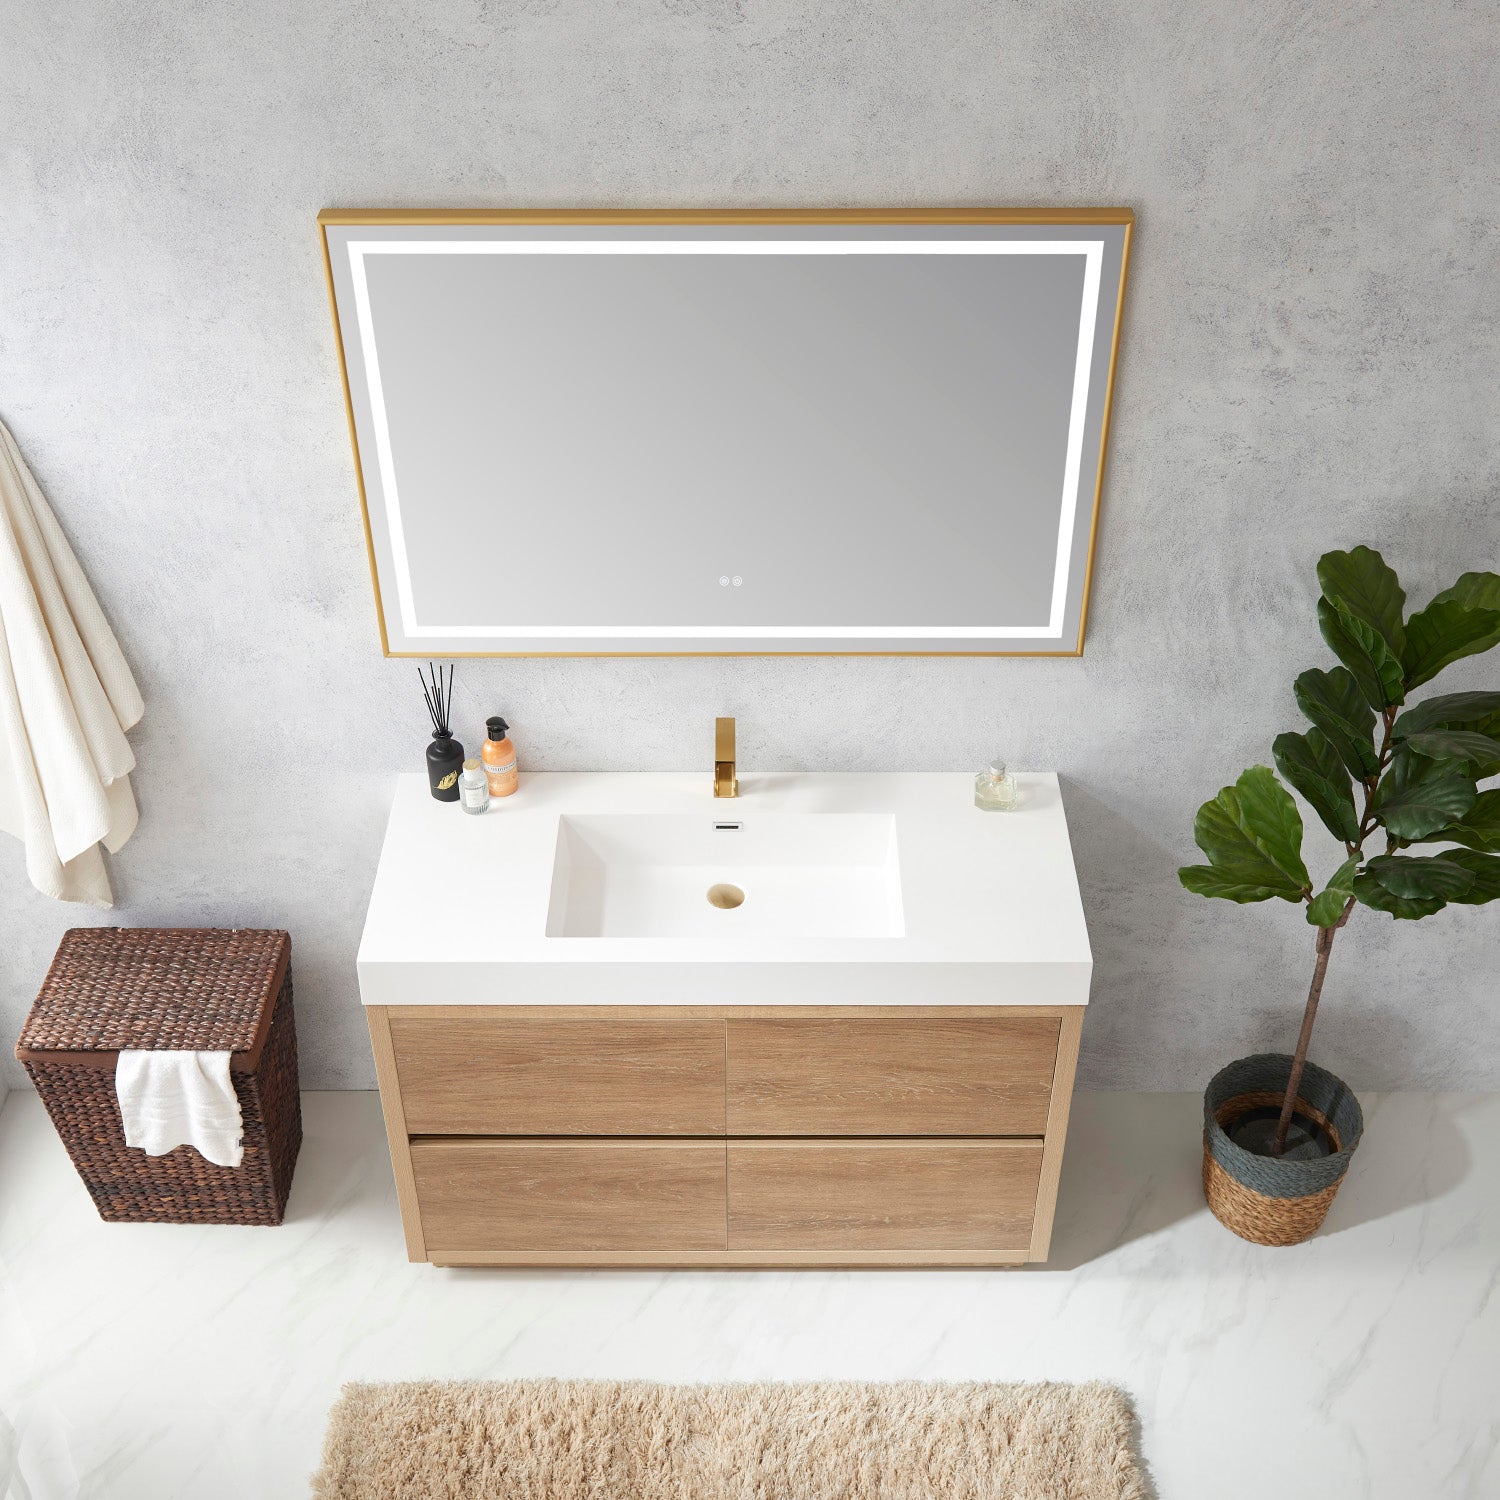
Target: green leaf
[1455, 744]
[1361, 648]
[1418, 796]
[1490, 726]
[1252, 835]
[1420, 877]
[1325, 909]
[1208, 880]
[1342, 879]
[1485, 868]
[1332, 701]
[1369, 892]
[1448, 711]
[1479, 828]
[1311, 764]
[1443, 633]
[1461, 621]
[1473, 591]
[1366, 585]
[1270, 817]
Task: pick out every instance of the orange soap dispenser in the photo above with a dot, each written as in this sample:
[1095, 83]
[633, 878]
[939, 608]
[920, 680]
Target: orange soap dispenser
[499, 757]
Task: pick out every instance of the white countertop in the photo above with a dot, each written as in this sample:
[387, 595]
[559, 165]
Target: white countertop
[990, 904]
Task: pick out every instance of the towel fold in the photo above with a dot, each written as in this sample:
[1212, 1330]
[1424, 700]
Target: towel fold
[66, 699]
[171, 1099]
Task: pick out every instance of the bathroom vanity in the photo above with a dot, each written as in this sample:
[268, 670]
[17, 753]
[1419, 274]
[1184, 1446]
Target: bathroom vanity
[832, 1021]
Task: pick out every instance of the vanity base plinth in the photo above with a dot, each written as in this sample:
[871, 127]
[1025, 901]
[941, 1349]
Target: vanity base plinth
[731, 1260]
[743, 1136]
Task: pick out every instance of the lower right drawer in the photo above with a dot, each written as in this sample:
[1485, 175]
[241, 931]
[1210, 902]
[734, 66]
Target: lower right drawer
[882, 1194]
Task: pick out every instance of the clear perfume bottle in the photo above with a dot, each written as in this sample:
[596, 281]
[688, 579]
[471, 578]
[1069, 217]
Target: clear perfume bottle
[995, 789]
[474, 787]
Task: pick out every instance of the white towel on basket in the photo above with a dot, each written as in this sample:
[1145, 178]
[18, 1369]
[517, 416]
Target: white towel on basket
[66, 699]
[171, 1099]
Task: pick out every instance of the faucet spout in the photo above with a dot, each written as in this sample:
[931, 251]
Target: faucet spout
[726, 782]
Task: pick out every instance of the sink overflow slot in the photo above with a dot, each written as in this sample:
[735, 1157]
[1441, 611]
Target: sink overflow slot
[724, 826]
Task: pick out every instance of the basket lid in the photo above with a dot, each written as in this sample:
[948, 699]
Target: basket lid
[192, 989]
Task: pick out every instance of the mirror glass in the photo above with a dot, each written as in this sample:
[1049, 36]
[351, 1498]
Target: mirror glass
[579, 437]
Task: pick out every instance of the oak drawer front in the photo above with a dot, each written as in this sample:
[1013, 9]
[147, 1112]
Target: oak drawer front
[570, 1195]
[491, 1074]
[918, 1195]
[897, 1077]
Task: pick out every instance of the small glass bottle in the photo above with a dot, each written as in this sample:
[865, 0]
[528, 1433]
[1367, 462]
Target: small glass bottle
[474, 787]
[995, 789]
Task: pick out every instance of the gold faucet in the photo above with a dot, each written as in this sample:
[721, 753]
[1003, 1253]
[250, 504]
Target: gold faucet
[726, 783]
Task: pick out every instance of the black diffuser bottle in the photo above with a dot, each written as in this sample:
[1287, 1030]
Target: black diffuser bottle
[445, 755]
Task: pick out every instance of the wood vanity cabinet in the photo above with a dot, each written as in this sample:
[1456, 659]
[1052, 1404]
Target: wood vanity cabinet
[726, 1136]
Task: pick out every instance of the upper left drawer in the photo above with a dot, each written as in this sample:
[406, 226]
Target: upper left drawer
[491, 1073]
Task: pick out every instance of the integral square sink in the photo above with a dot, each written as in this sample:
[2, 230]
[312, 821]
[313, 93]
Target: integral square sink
[733, 876]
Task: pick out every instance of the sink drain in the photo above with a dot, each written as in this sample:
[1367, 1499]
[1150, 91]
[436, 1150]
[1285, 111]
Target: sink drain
[725, 897]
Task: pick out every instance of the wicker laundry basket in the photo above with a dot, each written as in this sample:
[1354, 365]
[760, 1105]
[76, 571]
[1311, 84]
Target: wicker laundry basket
[187, 989]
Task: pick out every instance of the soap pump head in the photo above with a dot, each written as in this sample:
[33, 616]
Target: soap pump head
[497, 727]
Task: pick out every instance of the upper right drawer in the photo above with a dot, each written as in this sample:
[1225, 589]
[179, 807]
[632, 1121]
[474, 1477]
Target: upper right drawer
[869, 1076]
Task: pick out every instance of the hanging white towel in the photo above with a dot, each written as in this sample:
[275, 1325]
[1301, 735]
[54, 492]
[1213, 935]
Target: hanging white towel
[171, 1099]
[66, 699]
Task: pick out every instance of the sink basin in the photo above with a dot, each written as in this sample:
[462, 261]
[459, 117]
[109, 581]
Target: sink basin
[734, 876]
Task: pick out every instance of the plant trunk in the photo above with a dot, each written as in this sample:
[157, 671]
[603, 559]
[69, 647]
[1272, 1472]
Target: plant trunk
[1309, 1015]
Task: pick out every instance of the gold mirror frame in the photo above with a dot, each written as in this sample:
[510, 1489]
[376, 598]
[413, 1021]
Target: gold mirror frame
[897, 216]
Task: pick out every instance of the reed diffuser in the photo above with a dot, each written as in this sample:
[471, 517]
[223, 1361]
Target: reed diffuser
[445, 756]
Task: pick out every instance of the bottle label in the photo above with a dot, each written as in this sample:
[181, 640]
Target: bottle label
[447, 781]
[491, 769]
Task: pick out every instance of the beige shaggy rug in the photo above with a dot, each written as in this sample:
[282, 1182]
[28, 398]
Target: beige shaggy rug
[629, 1440]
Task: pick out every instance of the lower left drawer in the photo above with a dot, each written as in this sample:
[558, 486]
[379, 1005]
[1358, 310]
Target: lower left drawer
[479, 1194]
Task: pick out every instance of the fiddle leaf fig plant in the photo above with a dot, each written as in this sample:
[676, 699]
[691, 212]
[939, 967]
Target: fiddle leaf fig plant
[1370, 764]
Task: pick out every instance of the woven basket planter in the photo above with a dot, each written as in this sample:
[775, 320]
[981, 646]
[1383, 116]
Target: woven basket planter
[192, 989]
[1271, 1200]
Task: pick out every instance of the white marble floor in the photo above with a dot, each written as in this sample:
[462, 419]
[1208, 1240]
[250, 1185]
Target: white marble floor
[144, 1362]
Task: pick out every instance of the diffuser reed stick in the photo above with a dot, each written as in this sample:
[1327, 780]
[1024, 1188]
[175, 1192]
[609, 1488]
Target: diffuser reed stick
[438, 697]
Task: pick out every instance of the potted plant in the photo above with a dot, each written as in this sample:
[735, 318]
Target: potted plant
[1279, 1131]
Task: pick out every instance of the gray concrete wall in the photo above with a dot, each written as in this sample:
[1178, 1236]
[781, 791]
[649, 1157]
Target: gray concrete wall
[1310, 361]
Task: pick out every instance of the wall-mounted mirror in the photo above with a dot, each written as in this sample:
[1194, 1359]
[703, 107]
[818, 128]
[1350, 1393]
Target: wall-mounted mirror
[670, 433]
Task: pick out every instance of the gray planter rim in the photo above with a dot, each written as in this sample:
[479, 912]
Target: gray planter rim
[1268, 1072]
